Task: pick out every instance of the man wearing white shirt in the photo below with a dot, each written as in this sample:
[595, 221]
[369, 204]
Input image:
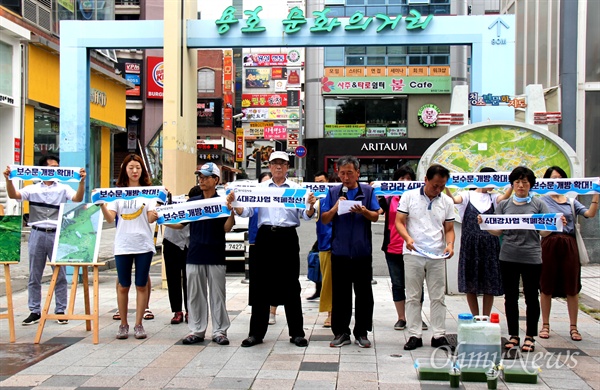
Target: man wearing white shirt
[274, 276]
[425, 220]
[44, 199]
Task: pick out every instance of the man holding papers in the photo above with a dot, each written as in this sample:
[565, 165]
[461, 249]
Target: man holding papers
[274, 279]
[351, 207]
[44, 199]
[425, 220]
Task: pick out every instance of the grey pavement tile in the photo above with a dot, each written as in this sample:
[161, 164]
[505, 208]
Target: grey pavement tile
[98, 388]
[277, 374]
[24, 380]
[555, 383]
[273, 384]
[315, 384]
[80, 370]
[357, 367]
[237, 373]
[39, 369]
[120, 370]
[280, 365]
[318, 375]
[189, 383]
[285, 357]
[328, 358]
[319, 366]
[358, 358]
[231, 383]
[66, 380]
[195, 372]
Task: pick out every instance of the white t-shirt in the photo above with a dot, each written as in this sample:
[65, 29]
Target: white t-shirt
[482, 202]
[134, 233]
[425, 220]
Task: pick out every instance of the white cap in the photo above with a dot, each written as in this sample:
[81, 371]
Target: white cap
[209, 169]
[279, 155]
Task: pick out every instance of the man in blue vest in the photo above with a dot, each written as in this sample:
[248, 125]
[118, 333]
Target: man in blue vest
[351, 207]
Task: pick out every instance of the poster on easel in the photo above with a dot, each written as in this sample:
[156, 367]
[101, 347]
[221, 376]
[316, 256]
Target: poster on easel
[78, 233]
[10, 237]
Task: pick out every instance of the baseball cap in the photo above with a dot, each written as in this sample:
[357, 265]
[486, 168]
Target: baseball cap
[209, 169]
[279, 155]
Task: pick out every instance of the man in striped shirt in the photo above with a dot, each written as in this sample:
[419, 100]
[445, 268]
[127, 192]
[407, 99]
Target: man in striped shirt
[44, 199]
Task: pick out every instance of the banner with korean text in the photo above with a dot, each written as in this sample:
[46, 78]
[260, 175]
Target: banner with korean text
[103, 195]
[45, 173]
[195, 210]
[289, 198]
[549, 222]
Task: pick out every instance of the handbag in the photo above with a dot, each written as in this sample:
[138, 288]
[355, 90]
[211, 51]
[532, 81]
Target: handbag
[314, 267]
[583, 255]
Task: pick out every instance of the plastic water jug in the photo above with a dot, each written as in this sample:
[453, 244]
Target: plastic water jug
[480, 339]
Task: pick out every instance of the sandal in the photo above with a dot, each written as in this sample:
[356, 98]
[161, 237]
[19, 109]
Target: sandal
[575, 335]
[528, 344]
[545, 332]
[117, 316]
[513, 342]
[327, 323]
[148, 315]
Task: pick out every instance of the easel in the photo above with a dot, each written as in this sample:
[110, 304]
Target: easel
[88, 317]
[10, 314]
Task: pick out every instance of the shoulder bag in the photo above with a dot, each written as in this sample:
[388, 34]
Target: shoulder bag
[583, 255]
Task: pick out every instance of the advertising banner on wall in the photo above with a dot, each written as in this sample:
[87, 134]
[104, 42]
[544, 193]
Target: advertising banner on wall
[345, 131]
[156, 70]
[276, 59]
[275, 132]
[383, 85]
[264, 100]
[258, 78]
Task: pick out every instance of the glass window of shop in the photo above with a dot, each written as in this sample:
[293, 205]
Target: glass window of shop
[46, 141]
[81, 10]
[381, 112]
[376, 169]
[6, 58]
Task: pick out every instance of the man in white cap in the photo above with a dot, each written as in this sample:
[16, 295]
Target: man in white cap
[205, 265]
[274, 279]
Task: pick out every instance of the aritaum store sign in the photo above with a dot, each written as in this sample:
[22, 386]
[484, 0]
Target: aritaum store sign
[492, 64]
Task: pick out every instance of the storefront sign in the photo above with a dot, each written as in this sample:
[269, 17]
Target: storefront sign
[278, 73]
[258, 78]
[344, 131]
[273, 113]
[239, 144]
[132, 67]
[278, 59]
[322, 24]
[264, 100]
[428, 114]
[7, 99]
[397, 132]
[383, 85]
[275, 132]
[293, 79]
[384, 146]
[135, 79]
[156, 74]
[98, 97]
[17, 151]
[495, 100]
[376, 131]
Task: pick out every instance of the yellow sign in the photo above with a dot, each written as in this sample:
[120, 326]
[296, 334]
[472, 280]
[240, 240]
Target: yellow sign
[261, 124]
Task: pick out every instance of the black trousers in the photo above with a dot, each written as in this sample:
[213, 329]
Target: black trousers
[348, 273]
[175, 260]
[274, 273]
[511, 273]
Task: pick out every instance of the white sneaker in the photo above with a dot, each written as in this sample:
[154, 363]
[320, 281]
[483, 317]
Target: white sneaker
[272, 320]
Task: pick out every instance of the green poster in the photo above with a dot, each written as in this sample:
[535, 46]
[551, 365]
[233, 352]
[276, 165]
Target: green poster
[386, 85]
[10, 237]
[78, 233]
[345, 131]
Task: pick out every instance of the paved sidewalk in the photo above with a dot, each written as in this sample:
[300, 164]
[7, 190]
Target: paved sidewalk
[68, 359]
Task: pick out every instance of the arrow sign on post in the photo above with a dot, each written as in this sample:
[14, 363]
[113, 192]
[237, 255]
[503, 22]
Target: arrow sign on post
[498, 23]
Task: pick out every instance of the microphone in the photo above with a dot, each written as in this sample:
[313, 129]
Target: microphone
[345, 192]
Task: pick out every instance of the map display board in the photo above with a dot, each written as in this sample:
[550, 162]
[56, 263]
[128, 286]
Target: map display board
[78, 233]
[10, 237]
[502, 148]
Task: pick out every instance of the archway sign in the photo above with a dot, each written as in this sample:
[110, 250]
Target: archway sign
[490, 37]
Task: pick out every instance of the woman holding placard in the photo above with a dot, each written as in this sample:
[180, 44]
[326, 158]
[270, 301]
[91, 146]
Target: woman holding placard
[561, 268]
[134, 242]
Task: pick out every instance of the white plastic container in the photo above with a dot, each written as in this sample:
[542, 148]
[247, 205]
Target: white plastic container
[480, 340]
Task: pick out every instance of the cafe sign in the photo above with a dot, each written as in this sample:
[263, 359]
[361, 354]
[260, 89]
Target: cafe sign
[385, 85]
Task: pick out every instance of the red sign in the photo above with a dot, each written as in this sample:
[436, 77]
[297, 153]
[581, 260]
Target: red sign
[156, 74]
[264, 100]
[17, 157]
[203, 146]
[133, 92]
[17, 143]
[239, 144]
[132, 67]
[452, 118]
[275, 132]
[547, 118]
[278, 74]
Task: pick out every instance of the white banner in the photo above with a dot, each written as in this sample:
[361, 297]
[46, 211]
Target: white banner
[550, 222]
[103, 195]
[319, 189]
[65, 174]
[195, 210]
[572, 186]
[389, 188]
[478, 180]
[290, 198]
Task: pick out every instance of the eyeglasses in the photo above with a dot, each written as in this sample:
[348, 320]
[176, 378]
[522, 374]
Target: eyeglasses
[202, 178]
[279, 164]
